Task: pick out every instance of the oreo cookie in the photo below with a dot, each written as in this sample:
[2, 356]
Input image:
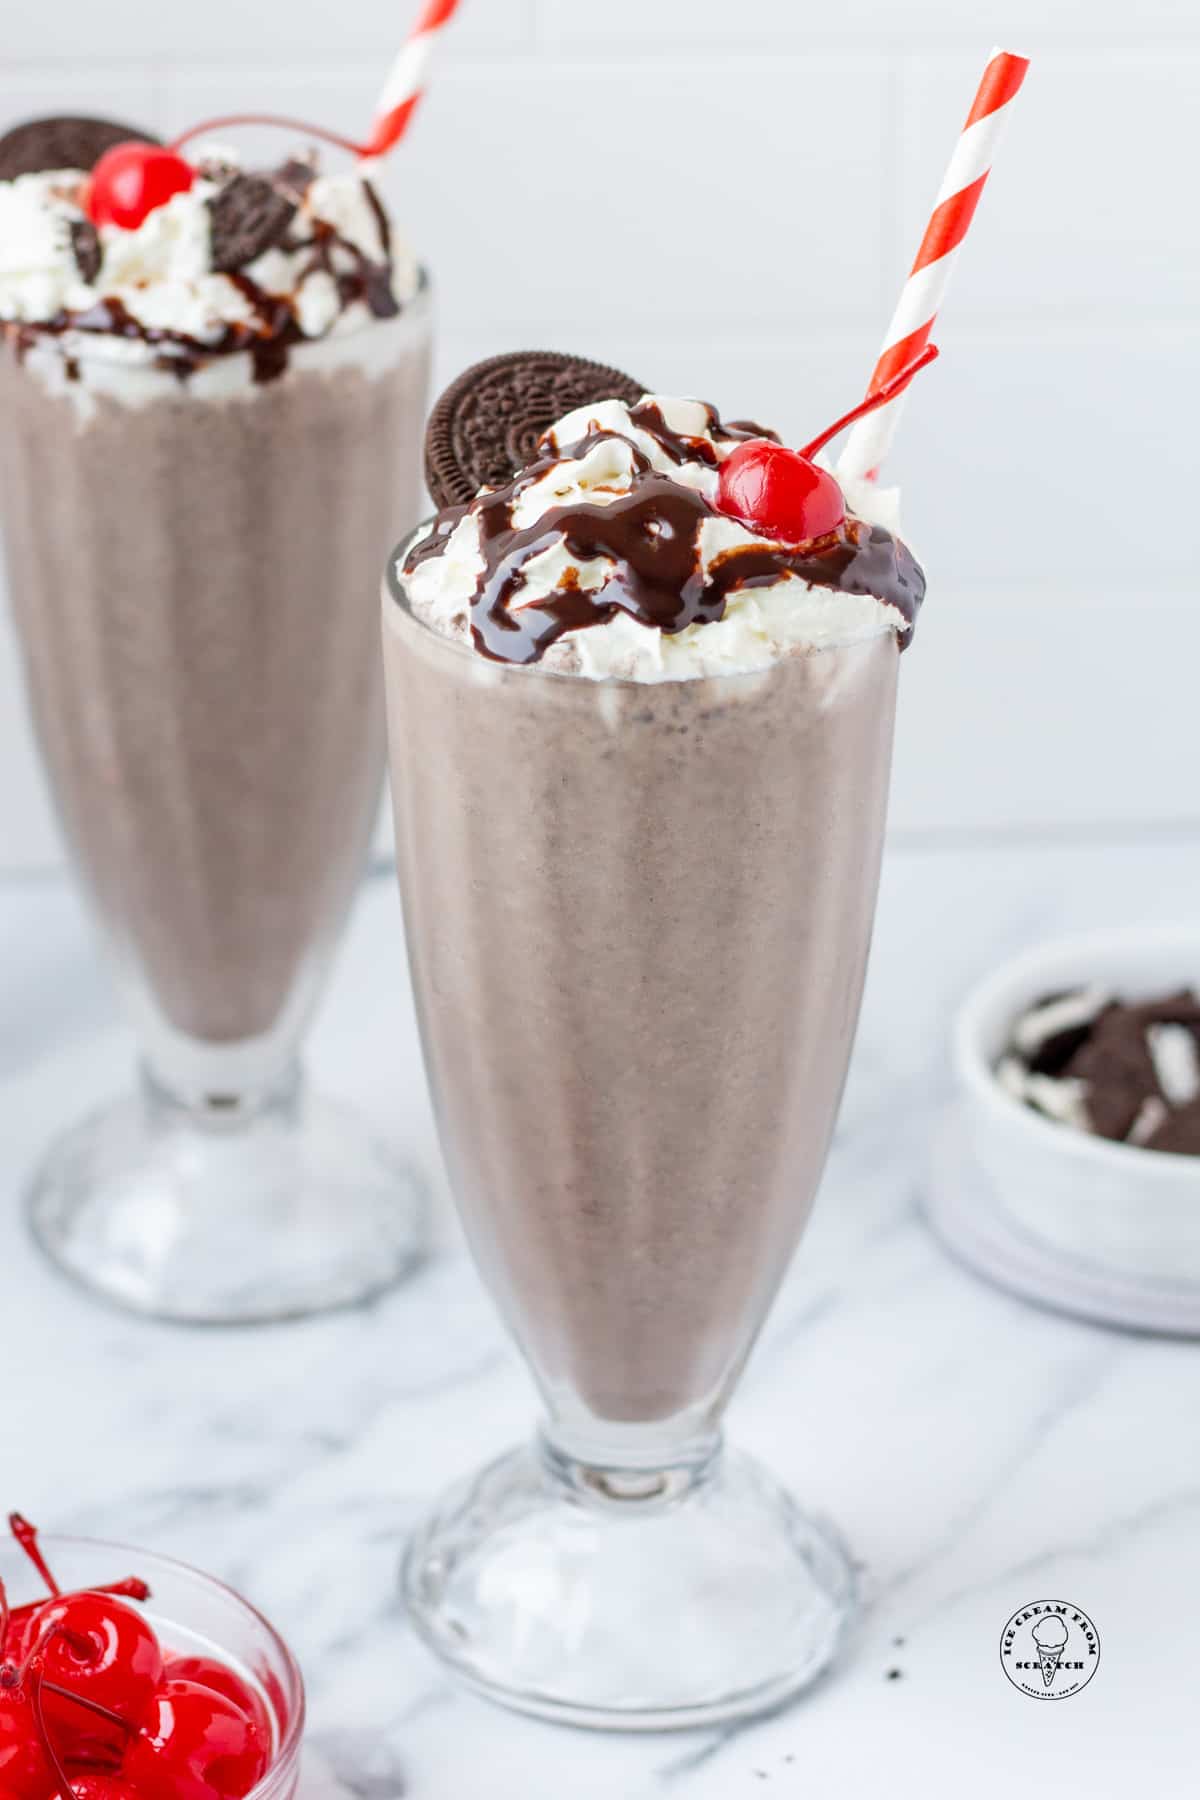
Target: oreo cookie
[485, 427]
[67, 143]
[249, 215]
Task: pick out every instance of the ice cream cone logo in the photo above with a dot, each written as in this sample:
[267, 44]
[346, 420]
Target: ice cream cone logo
[1049, 1649]
[1050, 1635]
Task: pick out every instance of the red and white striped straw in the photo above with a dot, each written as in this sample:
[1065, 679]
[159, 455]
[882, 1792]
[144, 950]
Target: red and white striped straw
[923, 292]
[406, 82]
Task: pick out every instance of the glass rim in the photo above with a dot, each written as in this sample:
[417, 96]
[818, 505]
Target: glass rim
[395, 592]
[80, 345]
[290, 1742]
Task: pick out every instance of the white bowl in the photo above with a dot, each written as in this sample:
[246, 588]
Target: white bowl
[1130, 1211]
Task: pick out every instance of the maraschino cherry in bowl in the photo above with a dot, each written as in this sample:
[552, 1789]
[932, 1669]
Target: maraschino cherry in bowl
[128, 1676]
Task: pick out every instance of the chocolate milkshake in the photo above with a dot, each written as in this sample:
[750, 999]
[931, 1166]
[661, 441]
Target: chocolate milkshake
[207, 421]
[639, 917]
[641, 747]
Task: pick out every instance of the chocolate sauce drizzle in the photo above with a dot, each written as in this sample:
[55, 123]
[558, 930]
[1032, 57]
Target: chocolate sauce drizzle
[275, 329]
[648, 418]
[652, 537]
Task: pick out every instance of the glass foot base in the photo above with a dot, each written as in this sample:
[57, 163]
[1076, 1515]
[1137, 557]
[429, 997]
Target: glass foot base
[629, 1601]
[219, 1218]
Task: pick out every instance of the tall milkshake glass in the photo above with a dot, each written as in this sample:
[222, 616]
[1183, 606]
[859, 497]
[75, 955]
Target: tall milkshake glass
[638, 915]
[192, 532]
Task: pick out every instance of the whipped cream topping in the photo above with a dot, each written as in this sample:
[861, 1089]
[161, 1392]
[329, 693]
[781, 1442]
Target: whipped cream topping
[537, 571]
[336, 265]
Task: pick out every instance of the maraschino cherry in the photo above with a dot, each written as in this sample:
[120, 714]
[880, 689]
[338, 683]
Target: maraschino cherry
[783, 493]
[206, 1671]
[88, 1786]
[101, 1650]
[778, 491]
[131, 180]
[195, 1745]
[26, 1757]
[95, 1737]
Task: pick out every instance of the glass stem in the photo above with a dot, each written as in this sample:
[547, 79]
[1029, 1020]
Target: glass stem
[625, 1466]
[216, 1103]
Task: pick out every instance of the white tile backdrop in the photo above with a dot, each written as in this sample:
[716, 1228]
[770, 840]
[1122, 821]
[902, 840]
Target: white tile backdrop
[724, 198]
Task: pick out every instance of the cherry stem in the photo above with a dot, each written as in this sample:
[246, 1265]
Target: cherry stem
[92, 1706]
[330, 137]
[26, 1535]
[62, 1779]
[895, 384]
[130, 1587]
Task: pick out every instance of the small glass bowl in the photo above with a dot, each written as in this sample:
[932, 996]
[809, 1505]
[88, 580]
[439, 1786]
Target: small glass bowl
[194, 1615]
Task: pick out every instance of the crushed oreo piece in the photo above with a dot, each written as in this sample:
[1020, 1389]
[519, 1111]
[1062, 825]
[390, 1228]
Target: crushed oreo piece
[216, 165]
[249, 215]
[85, 246]
[485, 427]
[42, 145]
[1051, 1032]
[295, 177]
[1116, 1066]
[1180, 1132]
[1129, 1071]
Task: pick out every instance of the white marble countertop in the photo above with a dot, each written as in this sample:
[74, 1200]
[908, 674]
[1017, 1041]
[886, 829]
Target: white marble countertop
[977, 1453]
